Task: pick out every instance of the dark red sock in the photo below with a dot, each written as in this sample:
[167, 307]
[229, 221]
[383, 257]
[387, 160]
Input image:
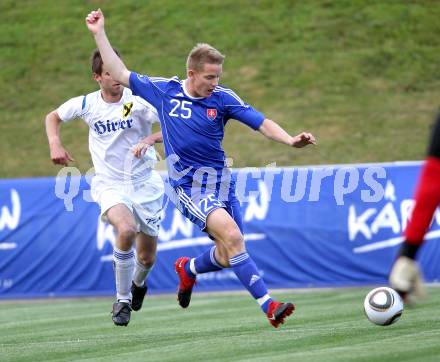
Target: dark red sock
[427, 199]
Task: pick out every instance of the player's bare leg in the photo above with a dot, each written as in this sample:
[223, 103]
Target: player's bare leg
[222, 227]
[221, 255]
[146, 247]
[123, 260]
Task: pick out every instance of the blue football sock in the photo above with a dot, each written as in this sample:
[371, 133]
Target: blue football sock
[204, 263]
[246, 271]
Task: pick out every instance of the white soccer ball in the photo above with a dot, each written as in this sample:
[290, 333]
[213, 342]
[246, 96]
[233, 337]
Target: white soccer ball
[383, 306]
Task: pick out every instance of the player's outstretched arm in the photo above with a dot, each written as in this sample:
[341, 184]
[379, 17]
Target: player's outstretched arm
[274, 132]
[58, 154]
[116, 68]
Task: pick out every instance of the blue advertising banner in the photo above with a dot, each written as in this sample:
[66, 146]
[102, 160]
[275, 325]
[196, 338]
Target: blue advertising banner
[304, 227]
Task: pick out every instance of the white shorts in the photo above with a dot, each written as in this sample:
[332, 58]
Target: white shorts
[143, 199]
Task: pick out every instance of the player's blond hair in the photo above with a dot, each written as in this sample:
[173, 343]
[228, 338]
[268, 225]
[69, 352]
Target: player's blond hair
[202, 54]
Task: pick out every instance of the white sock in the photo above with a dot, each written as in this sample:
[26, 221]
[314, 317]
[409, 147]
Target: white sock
[140, 272]
[192, 266]
[123, 265]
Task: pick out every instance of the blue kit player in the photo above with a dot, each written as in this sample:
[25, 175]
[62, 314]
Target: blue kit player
[193, 114]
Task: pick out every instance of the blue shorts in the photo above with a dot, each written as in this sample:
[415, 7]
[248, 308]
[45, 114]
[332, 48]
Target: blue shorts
[197, 207]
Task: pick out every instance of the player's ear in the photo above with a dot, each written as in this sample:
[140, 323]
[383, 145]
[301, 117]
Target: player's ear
[190, 73]
[96, 77]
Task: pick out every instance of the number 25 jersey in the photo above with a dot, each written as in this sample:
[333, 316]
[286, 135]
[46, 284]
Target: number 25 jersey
[193, 128]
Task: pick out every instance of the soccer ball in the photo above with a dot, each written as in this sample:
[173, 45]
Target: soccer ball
[383, 306]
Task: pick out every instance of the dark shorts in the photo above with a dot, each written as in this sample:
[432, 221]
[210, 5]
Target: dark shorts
[196, 207]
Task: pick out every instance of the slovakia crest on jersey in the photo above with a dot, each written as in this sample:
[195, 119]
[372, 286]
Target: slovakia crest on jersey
[211, 113]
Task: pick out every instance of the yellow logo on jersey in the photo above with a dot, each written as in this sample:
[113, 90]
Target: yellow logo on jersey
[127, 109]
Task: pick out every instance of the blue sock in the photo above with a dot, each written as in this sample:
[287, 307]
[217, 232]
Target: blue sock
[246, 271]
[204, 263]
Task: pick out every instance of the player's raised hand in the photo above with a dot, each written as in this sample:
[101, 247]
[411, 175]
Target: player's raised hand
[59, 155]
[303, 139]
[95, 21]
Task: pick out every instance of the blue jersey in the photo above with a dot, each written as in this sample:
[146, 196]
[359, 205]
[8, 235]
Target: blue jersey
[193, 128]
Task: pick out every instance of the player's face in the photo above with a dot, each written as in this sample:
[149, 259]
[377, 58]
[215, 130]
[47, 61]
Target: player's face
[107, 84]
[205, 80]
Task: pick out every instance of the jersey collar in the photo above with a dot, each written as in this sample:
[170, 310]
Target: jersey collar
[186, 92]
[121, 100]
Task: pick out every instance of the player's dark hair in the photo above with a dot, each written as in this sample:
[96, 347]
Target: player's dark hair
[96, 60]
[202, 54]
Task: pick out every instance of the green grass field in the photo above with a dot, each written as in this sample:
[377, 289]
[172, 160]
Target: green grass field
[362, 75]
[328, 325]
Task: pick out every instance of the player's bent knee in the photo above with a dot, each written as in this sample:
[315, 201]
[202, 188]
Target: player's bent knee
[146, 260]
[234, 241]
[126, 233]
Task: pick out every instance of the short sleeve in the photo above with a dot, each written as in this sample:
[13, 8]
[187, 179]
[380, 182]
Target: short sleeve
[142, 86]
[73, 108]
[242, 112]
[150, 113]
[154, 115]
